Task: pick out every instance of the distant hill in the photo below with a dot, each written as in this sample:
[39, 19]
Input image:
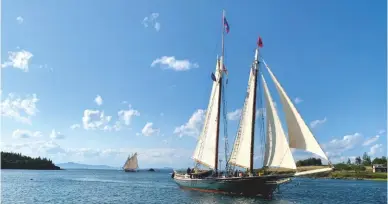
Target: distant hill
[73, 165]
[11, 160]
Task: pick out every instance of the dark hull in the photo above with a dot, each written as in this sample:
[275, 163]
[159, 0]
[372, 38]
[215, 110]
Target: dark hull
[129, 170]
[247, 186]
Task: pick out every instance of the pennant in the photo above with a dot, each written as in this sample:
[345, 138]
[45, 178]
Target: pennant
[225, 70]
[213, 77]
[226, 25]
[259, 42]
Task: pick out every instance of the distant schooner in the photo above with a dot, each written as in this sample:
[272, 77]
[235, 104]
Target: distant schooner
[131, 164]
[277, 152]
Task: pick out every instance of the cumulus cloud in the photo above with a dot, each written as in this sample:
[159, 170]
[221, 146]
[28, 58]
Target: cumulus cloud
[151, 20]
[193, 126]
[127, 115]
[169, 62]
[98, 100]
[26, 134]
[148, 130]
[376, 149]
[56, 135]
[18, 60]
[298, 100]
[94, 119]
[75, 126]
[316, 123]
[19, 19]
[234, 115]
[370, 140]
[19, 108]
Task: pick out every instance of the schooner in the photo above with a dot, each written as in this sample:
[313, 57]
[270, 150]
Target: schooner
[277, 145]
[131, 164]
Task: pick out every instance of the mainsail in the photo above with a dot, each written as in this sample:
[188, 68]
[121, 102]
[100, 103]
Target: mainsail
[206, 150]
[240, 155]
[131, 163]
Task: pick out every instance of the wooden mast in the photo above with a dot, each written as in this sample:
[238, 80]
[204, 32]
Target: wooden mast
[254, 71]
[221, 65]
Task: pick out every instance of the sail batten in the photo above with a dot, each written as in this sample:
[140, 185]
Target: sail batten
[205, 151]
[277, 151]
[300, 136]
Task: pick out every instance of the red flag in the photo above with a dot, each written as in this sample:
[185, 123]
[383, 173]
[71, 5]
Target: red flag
[259, 42]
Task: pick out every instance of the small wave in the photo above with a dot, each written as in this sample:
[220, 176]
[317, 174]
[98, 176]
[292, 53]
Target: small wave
[97, 180]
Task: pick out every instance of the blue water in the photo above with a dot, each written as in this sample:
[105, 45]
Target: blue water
[112, 186]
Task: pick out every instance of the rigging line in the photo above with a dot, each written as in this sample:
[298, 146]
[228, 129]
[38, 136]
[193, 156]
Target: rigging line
[225, 124]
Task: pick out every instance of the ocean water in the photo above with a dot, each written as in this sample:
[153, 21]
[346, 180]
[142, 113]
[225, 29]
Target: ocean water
[113, 186]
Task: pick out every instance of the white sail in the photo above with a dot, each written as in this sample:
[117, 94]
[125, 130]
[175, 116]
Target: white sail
[300, 136]
[277, 151]
[240, 155]
[131, 163]
[205, 151]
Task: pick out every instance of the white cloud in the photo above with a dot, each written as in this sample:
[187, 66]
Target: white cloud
[98, 100]
[370, 140]
[94, 119]
[380, 132]
[19, 109]
[26, 134]
[337, 146]
[174, 64]
[127, 115]
[148, 130]
[375, 149]
[56, 135]
[18, 60]
[75, 126]
[193, 126]
[152, 20]
[234, 115]
[315, 123]
[298, 100]
[19, 19]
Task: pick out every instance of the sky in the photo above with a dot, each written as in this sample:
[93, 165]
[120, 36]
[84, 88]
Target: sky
[93, 81]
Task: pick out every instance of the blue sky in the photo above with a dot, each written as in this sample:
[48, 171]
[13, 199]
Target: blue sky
[331, 55]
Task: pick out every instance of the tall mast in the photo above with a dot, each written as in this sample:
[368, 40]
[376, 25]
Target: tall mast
[255, 71]
[220, 68]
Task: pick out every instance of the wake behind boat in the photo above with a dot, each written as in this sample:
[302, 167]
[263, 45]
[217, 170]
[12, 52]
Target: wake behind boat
[131, 165]
[277, 152]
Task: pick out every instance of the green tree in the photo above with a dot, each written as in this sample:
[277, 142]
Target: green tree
[366, 161]
[349, 162]
[358, 160]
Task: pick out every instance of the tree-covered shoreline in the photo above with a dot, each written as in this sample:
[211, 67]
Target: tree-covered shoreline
[11, 160]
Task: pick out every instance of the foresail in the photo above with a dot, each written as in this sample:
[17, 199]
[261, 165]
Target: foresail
[240, 155]
[205, 151]
[299, 134]
[278, 153]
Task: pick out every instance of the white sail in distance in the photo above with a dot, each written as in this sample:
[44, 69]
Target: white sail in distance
[205, 151]
[277, 151]
[240, 155]
[131, 163]
[300, 136]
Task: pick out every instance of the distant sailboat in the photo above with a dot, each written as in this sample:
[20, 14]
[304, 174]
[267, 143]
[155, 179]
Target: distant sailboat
[277, 151]
[131, 164]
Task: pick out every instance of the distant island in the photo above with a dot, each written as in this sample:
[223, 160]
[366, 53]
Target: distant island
[73, 165]
[11, 160]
